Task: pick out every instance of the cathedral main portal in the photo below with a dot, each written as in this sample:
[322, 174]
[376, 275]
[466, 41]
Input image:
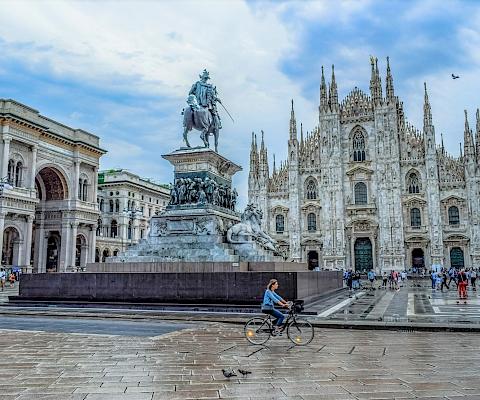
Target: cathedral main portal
[363, 254]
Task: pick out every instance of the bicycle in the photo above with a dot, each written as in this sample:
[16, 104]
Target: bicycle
[258, 330]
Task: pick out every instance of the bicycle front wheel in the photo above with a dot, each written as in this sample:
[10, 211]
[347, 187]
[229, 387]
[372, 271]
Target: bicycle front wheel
[300, 332]
[257, 330]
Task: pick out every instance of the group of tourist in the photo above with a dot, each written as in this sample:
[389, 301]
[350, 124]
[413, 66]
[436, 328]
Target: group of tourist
[393, 279]
[461, 278]
[3, 278]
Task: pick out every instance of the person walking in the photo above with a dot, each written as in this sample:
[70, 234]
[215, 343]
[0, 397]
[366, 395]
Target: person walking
[3, 277]
[462, 284]
[444, 277]
[384, 280]
[11, 279]
[473, 279]
[371, 277]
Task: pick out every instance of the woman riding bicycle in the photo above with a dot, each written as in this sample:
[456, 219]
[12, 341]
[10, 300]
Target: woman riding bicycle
[271, 298]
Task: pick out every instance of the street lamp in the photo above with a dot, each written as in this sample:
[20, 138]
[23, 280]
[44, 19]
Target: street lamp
[132, 213]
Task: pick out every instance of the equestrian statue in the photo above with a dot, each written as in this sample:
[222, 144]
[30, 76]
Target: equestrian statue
[201, 113]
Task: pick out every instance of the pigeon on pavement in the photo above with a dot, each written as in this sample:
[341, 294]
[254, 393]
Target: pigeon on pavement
[244, 372]
[228, 373]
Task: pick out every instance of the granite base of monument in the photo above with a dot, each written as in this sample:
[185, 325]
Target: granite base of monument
[239, 288]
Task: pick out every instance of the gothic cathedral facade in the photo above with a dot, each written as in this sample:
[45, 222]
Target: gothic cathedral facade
[365, 189]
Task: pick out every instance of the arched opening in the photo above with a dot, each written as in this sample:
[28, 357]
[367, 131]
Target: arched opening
[102, 205]
[53, 252]
[81, 251]
[413, 183]
[457, 259]
[11, 246]
[312, 260]
[106, 253]
[363, 254]
[18, 174]
[51, 185]
[115, 252]
[311, 189]
[11, 172]
[117, 205]
[358, 145]
[97, 255]
[418, 259]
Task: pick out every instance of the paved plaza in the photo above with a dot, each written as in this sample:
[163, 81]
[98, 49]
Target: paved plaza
[187, 363]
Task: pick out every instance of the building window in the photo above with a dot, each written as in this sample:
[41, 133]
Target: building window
[358, 147]
[149, 212]
[360, 193]
[117, 205]
[113, 229]
[280, 223]
[413, 183]
[142, 232]
[102, 203]
[11, 172]
[311, 189]
[99, 226]
[111, 205]
[312, 222]
[129, 231]
[18, 174]
[415, 217]
[453, 216]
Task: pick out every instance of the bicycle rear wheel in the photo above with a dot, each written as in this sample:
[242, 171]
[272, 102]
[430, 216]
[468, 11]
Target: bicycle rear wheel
[257, 330]
[300, 332]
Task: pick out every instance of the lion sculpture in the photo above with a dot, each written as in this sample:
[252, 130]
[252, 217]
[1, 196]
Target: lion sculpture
[250, 228]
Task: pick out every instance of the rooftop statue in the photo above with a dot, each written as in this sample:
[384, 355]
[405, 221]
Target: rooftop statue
[201, 113]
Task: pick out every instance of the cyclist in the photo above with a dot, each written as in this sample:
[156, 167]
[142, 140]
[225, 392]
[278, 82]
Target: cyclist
[271, 298]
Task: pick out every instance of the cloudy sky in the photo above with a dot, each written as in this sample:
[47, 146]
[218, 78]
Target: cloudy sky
[122, 69]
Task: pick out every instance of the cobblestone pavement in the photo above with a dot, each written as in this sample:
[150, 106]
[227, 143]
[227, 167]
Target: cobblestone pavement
[415, 302]
[338, 364]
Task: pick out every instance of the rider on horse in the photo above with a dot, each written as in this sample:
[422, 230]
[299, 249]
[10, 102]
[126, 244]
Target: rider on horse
[206, 95]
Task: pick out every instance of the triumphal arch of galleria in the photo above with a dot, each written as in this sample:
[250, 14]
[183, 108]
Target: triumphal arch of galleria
[48, 211]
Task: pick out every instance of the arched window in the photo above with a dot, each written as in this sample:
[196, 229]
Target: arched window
[117, 205]
[84, 190]
[312, 222]
[80, 188]
[111, 205]
[129, 231]
[280, 223]
[11, 172]
[115, 252]
[113, 229]
[128, 205]
[18, 174]
[102, 203]
[415, 217]
[311, 189]
[413, 183]
[453, 216]
[358, 145]
[360, 193]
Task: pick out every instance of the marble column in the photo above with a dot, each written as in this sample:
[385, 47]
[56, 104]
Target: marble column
[33, 167]
[28, 241]
[40, 246]
[65, 249]
[73, 245]
[3, 214]
[76, 178]
[5, 156]
[94, 185]
[92, 243]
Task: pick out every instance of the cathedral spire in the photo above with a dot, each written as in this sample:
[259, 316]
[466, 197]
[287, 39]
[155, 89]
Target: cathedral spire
[293, 124]
[427, 111]
[274, 166]
[375, 90]
[379, 80]
[443, 147]
[468, 139]
[323, 94]
[389, 85]
[301, 133]
[477, 136]
[333, 92]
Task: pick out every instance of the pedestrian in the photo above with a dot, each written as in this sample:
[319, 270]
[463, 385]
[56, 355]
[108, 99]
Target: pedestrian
[433, 278]
[350, 280]
[3, 277]
[473, 279]
[444, 277]
[462, 284]
[384, 280]
[356, 280]
[11, 278]
[371, 277]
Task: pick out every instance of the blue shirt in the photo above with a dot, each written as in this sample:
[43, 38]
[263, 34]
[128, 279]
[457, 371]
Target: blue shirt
[270, 298]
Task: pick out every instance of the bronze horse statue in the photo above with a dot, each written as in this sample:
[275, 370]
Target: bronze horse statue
[202, 119]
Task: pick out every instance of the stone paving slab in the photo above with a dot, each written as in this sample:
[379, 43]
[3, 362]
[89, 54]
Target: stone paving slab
[338, 364]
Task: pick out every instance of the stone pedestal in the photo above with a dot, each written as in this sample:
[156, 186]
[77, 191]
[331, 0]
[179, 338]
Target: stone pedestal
[201, 210]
